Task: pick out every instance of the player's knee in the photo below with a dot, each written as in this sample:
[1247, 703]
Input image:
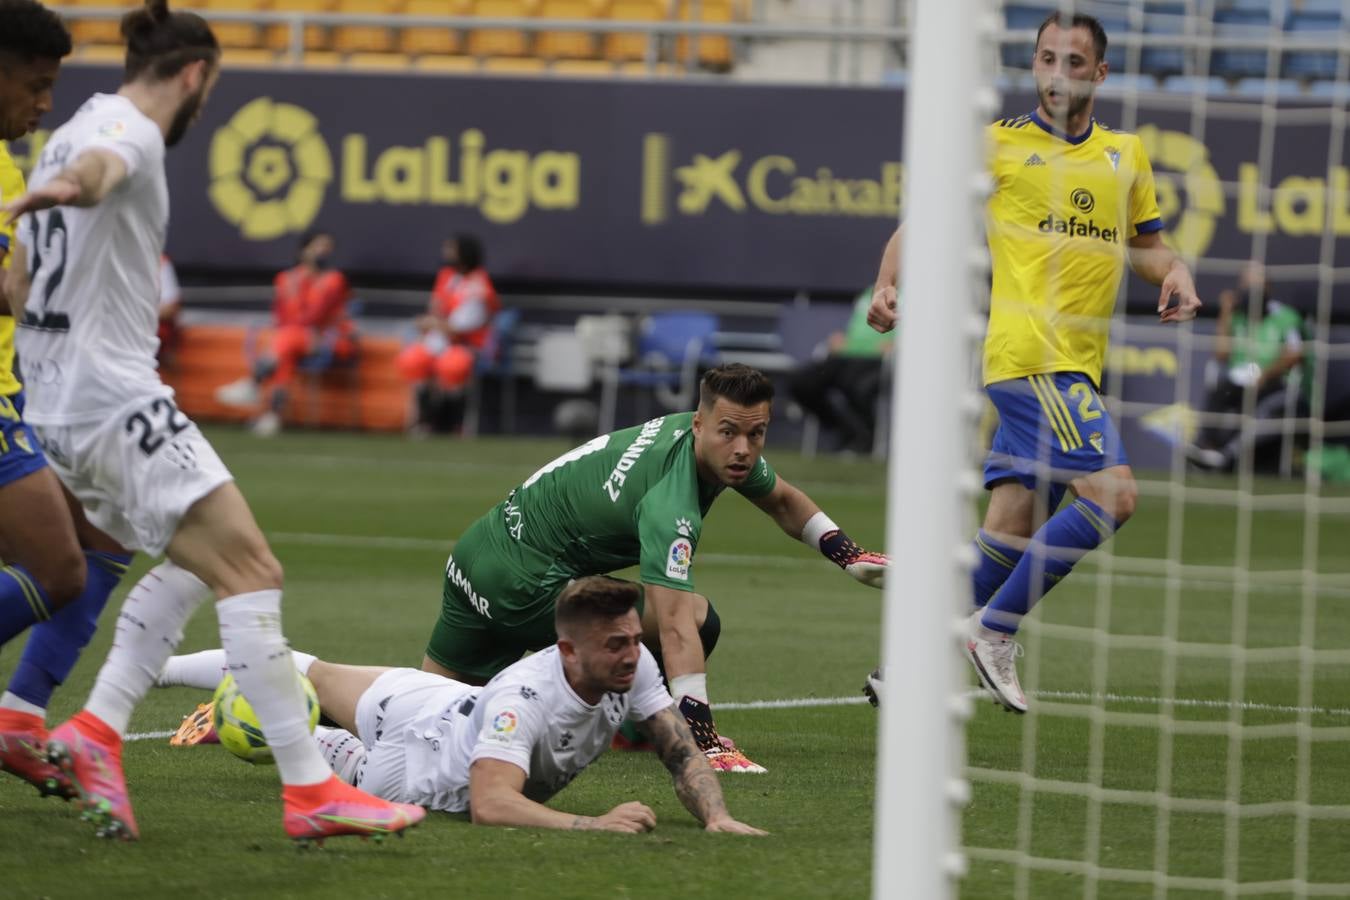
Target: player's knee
[710, 631]
[62, 576]
[1125, 501]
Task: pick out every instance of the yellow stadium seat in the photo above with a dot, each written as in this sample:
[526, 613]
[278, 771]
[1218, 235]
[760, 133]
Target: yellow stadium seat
[567, 44]
[588, 68]
[102, 53]
[516, 65]
[642, 70]
[445, 64]
[713, 51]
[248, 58]
[316, 36]
[621, 47]
[98, 31]
[422, 40]
[501, 41]
[235, 34]
[365, 38]
[379, 62]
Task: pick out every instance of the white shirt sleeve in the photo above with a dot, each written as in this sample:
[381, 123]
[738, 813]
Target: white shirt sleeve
[138, 142]
[649, 695]
[512, 724]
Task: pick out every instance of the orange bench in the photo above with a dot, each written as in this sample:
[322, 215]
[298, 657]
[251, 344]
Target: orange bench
[370, 396]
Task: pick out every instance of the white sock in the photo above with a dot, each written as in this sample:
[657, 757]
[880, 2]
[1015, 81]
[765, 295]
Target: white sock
[250, 633]
[149, 628]
[695, 686]
[343, 751]
[206, 668]
[18, 704]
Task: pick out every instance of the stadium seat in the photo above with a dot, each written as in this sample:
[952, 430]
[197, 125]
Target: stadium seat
[1163, 62]
[379, 62]
[494, 361]
[623, 47]
[101, 53]
[244, 35]
[1313, 65]
[366, 38]
[1240, 63]
[501, 41]
[670, 348]
[1117, 54]
[710, 51]
[321, 59]
[1023, 17]
[445, 64]
[567, 44]
[514, 65]
[420, 40]
[598, 68]
[98, 31]
[248, 58]
[315, 37]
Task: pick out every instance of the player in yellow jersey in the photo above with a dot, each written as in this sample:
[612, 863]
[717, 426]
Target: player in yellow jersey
[44, 580]
[1073, 201]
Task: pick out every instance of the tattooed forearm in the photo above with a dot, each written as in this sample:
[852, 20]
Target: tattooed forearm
[695, 782]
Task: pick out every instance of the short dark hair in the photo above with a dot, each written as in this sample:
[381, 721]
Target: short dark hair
[738, 383]
[595, 598]
[1078, 20]
[29, 31]
[162, 43]
[468, 252]
[310, 237]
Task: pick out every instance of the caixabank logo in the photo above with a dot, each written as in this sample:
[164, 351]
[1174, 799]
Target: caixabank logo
[270, 169]
[773, 184]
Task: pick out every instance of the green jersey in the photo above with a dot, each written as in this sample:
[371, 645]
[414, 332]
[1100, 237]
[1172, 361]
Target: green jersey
[632, 497]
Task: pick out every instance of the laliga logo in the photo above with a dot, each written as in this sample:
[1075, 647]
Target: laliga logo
[269, 169]
[1191, 171]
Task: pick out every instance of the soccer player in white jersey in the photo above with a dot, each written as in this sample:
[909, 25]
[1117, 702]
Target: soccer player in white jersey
[501, 751]
[97, 212]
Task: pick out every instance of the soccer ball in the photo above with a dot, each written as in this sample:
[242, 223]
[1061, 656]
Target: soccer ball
[237, 726]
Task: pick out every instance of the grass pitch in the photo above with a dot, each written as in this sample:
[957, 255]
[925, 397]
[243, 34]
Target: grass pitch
[363, 525]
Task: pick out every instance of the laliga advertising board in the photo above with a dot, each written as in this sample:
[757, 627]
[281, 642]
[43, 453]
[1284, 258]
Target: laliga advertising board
[660, 185]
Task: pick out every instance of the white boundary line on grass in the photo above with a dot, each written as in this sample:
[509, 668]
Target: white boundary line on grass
[807, 702]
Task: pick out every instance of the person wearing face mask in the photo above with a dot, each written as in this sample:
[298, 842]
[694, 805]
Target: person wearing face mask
[451, 333]
[309, 315]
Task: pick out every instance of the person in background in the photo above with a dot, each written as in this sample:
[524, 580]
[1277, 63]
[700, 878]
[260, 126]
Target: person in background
[1265, 355]
[841, 390]
[170, 305]
[309, 315]
[450, 334]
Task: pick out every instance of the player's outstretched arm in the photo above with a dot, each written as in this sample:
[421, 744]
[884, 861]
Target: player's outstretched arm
[496, 798]
[15, 286]
[1155, 262]
[881, 315]
[695, 782]
[800, 517]
[85, 182]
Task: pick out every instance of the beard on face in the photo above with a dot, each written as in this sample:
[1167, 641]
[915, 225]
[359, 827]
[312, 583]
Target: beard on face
[182, 120]
[1076, 104]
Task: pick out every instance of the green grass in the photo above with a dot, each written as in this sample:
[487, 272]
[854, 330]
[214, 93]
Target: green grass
[362, 525]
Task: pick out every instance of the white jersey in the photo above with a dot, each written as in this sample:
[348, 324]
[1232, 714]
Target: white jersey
[87, 342]
[529, 716]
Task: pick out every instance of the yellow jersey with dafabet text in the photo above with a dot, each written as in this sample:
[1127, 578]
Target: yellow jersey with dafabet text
[11, 188]
[1058, 223]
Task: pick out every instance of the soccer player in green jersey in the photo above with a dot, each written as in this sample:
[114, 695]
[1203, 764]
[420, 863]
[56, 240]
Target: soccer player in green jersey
[633, 497]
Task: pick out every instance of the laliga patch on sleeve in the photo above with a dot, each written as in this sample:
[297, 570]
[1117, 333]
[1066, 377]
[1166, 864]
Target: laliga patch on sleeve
[113, 129]
[679, 559]
[502, 728]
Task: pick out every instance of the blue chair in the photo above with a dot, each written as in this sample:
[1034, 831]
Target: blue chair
[1116, 54]
[1163, 62]
[1313, 65]
[326, 363]
[494, 361]
[670, 348]
[1243, 23]
[1023, 17]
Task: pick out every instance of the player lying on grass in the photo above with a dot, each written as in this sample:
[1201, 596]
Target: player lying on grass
[633, 497]
[499, 752]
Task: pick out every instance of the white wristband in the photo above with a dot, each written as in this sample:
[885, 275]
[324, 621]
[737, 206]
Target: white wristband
[816, 528]
[695, 686]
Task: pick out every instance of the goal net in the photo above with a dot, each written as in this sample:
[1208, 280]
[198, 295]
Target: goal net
[1188, 683]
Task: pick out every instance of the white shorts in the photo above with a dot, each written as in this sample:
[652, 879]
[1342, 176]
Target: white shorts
[137, 472]
[386, 716]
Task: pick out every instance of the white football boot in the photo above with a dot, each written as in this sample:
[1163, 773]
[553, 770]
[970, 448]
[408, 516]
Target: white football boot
[994, 656]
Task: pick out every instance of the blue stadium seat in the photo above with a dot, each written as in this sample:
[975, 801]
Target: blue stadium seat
[671, 347]
[1116, 52]
[1240, 23]
[1023, 17]
[1163, 62]
[1312, 65]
